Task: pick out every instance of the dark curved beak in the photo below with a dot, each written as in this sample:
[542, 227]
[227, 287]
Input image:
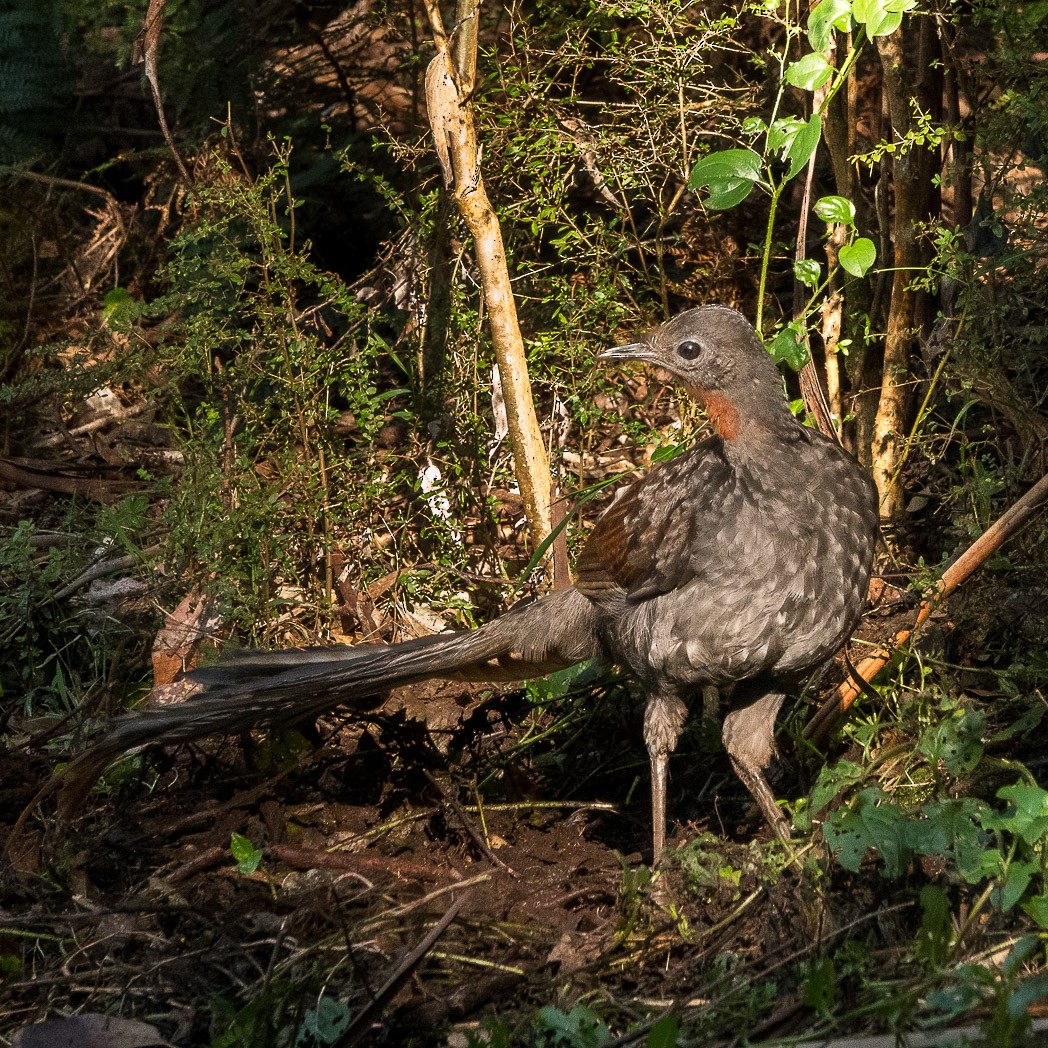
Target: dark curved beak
[634, 351]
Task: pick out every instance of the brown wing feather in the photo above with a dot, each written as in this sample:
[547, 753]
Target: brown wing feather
[626, 552]
[610, 560]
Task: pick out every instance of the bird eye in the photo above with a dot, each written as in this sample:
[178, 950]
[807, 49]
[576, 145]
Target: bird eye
[689, 350]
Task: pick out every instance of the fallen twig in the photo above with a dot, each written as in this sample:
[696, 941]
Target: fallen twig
[204, 861]
[102, 568]
[830, 713]
[474, 834]
[360, 1025]
[311, 859]
[89, 487]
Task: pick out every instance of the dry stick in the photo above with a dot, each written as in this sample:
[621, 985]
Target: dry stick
[830, 713]
[455, 136]
[354, 862]
[474, 835]
[103, 568]
[145, 50]
[359, 1026]
[833, 299]
[832, 309]
[90, 487]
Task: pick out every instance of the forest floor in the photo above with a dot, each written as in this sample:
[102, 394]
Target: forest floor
[375, 880]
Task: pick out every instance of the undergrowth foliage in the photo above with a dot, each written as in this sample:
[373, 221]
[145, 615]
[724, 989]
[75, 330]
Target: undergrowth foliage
[258, 355]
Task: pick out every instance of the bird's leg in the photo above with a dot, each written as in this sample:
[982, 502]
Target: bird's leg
[663, 721]
[749, 738]
[710, 703]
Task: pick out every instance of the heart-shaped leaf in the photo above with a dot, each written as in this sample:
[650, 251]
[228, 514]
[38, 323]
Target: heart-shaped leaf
[824, 18]
[884, 25]
[835, 209]
[729, 175]
[807, 271]
[788, 345]
[881, 17]
[804, 143]
[247, 856]
[857, 258]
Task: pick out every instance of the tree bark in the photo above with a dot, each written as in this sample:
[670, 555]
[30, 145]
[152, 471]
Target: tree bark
[849, 389]
[910, 197]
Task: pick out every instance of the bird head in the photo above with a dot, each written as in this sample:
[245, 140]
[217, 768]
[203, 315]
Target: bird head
[714, 352]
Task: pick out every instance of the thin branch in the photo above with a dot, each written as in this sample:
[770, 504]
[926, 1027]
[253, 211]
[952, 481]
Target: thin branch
[831, 712]
[360, 1025]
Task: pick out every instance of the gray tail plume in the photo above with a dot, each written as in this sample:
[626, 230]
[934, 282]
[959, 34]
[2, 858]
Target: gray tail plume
[252, 689]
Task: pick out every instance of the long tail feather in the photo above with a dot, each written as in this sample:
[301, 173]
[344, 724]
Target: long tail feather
[252, 689]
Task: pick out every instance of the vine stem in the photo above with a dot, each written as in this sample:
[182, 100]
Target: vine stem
[766, 258]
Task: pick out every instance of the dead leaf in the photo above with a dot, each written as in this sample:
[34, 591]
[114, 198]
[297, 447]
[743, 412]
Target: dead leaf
[442, 103]
[184, 628]
[90, 1030]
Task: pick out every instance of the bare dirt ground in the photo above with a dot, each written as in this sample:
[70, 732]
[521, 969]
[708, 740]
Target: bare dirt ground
[451, 856]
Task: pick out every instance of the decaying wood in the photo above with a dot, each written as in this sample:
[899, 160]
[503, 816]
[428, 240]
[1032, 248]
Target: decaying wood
[831, 712]
[449, 82]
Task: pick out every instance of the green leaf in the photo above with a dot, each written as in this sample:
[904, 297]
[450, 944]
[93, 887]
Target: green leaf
[804, 143]
[873, 822]
[1029, 992]
[1018, 880]
[857, 258]
[885, 25]
[961, 820]
[664, 1033]
[1028, 816]
[729, 175]
[933, 939]
[807, 271]
[832, 780]
[246, 854]
[824, 18]
[820, 986]
[835, 209]
[118, 307]
[789, 346]
[809, 72]
[1037, 908]
[670, 451]
[1019, 954]
[323, 1024]
[781, 133]
[556, 684]
[579, 1028]
[953, 1001]
[115, 298]
[955, 741]
[881, 17]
